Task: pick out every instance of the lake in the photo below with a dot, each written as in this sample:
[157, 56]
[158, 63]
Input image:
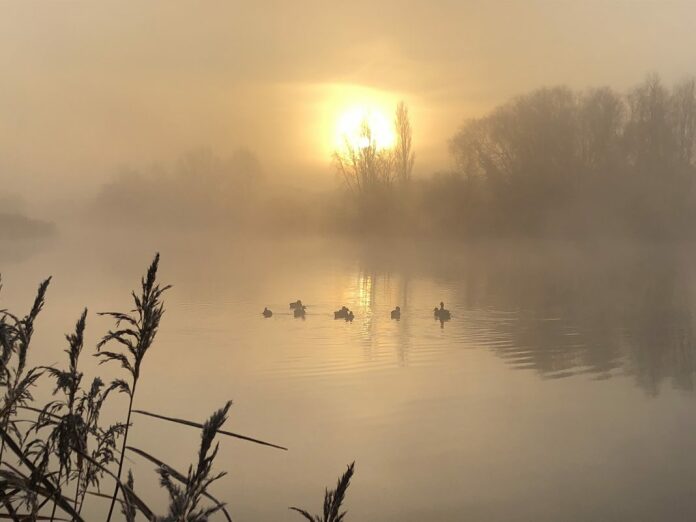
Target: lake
[560, 390]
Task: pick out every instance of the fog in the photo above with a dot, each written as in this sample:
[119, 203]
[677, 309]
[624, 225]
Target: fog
[449, 240]
[554, 163]
[91, 91]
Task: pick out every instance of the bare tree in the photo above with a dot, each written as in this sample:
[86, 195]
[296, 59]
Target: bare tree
[404, 156]
[554, 159]
[363, 165]
[602, 113]
[367, 168]
[683, 115]
[649, 136]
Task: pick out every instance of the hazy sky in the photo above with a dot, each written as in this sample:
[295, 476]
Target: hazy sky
[86, 87]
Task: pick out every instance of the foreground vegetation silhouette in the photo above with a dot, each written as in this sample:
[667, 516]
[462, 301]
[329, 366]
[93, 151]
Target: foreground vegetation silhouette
[333, 500]
[52, 457]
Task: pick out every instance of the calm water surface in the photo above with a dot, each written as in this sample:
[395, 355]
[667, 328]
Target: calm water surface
[562, 388]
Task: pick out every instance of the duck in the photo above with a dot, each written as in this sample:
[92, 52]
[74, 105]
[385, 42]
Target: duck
[350, 316]
[442, 313]
[396, 313]
[341, 314]
[296, 304]
[267, 313]
[299, 311]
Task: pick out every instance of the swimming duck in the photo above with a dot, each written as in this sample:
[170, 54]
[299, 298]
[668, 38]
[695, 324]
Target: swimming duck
[350, 316]
[296, 304]
[341, 314]
[442, 313]
[267, 313]
[396, 313]
[299, 311]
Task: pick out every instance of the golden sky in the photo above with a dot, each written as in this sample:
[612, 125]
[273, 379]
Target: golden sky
[88, 86]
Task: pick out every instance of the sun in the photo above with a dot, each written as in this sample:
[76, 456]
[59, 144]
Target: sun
[350, 128]
[339, 111]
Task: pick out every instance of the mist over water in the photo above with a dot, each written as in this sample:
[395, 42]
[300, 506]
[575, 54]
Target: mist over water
[566, 372]
[517, 178]
[561, 242]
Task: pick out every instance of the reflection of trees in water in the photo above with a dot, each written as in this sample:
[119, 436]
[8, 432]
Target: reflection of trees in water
[375, 291]
[404, 330]
[631, 314]
[660, 337]
[364, 302]
[366, 287]
[570, 312]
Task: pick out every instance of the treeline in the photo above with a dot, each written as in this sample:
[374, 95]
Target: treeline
[551, 163]
[17, 226]
[201, 189]
[559, 162]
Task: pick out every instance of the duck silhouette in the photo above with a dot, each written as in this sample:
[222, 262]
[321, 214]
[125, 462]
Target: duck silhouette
[267, 313]
[342, 313]
[442, 313]
[396, 313]
[299, 311]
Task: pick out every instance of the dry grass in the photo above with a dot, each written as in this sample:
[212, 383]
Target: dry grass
[53, 459]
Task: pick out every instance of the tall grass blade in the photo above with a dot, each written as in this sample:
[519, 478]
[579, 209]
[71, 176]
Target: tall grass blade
[29, 518]
[59, 499]
[137, 338]
[178, 476]
[132, 497]
[198, 425]
[333, 500]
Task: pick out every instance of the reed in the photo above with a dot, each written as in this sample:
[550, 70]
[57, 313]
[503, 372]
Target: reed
[333, 500]
[53, 456]
[136, 331]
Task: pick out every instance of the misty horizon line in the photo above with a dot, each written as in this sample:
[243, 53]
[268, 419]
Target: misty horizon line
[546, 141]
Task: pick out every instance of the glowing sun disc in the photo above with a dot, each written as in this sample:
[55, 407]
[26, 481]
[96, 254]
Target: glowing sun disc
[349, 128]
